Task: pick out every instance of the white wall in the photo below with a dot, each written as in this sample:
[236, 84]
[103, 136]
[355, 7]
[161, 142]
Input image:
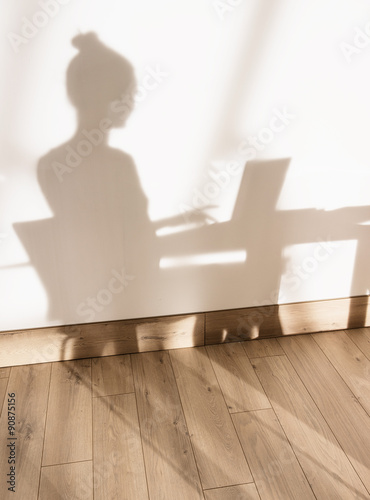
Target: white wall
[226, 71]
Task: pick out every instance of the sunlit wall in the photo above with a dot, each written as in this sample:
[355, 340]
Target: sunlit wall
[195, 156]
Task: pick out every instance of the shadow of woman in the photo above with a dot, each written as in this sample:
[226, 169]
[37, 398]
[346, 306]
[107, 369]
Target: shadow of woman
[94, 192]
[96, 255]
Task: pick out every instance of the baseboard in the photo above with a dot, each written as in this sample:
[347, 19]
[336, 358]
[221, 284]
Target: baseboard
[88, 340]
[287, 319]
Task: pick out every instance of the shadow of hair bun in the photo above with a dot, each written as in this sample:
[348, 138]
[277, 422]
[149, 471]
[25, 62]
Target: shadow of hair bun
[82, 41]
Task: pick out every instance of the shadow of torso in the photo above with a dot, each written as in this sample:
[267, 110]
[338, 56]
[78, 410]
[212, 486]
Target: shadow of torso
[99, 237]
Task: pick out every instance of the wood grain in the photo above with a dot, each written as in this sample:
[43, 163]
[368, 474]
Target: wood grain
[240, 492]
[276, 471]
[66, 482]
[248, 323]
[58, 343]
[239, 385]
[349, 361]
[4, 372]
[89, 340]
[30, 385]
[112, 375]
[69, 407]
[320, 419]
[236, 325]
[118, 457]
[167, 448]
[218, 453]
[326, 467]
[348, 420]
[324, 315]
[262, 347]
[3, 386]
[361, 337]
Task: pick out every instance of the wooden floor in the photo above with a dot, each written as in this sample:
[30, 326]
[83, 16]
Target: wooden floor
[266, 419]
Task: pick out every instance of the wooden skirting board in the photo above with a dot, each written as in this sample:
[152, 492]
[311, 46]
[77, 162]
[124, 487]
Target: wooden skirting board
[87, 340]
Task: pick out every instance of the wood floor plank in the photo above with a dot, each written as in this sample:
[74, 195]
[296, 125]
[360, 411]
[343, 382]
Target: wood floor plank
[347, 418]
[4, 372]
[30, 384]
[119, 470]
[239, 384]
[218, 453]
[3, 386]
[112, 375]
[349, 361]
[262, 347]
[240, 492]
[361, 337]
[69, 406]
[167, 448]
[275, 468]
[326, 466]
[67, 481]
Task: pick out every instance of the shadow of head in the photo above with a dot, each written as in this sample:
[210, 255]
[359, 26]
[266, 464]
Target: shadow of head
[100, 82]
